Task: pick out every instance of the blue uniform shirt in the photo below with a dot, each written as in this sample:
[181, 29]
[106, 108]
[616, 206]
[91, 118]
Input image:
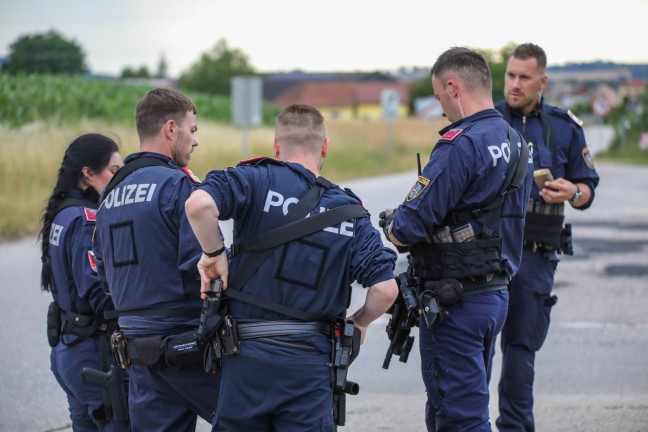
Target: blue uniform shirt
[312, 274]
[466, 170]
[573, 159]
[75, 284]
[146, 251]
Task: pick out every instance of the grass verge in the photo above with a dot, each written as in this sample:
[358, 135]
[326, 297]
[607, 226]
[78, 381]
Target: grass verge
[30, 156]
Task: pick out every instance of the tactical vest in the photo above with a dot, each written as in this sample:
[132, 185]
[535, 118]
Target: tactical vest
[543, 226]
[473, 258]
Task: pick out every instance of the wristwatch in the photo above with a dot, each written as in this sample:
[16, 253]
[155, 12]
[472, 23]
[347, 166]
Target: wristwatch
[576, 196]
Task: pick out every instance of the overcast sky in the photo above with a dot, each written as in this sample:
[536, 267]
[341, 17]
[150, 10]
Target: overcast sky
[329, 35]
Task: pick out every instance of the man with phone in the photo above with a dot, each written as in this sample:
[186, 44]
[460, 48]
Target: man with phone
[564, 172]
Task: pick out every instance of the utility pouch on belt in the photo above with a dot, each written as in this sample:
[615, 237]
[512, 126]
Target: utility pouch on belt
[543, 227]
[145, 351]
[184, 350]
[448, 291]
[475, 258]
[228, 334]
[53, 324]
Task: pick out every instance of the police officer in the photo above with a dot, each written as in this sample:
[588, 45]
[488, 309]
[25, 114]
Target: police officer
[559, 146]
[462, 222]
[281, 377]
[147, 254]
[76, 329]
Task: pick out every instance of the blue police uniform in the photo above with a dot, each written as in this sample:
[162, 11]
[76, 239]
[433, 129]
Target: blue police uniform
[466, 171]
[284, 382]
[147, 254]
[527, 324]
[76, 289]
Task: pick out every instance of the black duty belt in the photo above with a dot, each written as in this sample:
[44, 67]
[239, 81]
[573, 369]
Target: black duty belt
[484, 284]
[280, 328]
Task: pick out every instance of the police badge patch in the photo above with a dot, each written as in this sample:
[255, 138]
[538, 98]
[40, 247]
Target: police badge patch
[419, 186]
[587, 157]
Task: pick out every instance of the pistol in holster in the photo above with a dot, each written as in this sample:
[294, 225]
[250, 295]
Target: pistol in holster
[346, 347]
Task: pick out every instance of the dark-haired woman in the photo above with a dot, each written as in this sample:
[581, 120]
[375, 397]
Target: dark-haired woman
[76, 329]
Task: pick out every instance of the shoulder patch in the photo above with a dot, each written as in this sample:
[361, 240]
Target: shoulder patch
[252, 161]
[576, 120]
[451, 135]
[419, 186]
[587, 157]
[191, 175]
[90, 214]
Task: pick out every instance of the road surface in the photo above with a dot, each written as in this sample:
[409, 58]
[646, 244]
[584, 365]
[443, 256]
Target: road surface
[591, 375]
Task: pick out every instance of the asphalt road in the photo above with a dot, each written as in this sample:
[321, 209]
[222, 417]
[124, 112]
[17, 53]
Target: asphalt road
[592, 374]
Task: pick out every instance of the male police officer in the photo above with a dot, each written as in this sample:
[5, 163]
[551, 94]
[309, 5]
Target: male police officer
[147, 254]
[463, 221]
[280, 378]
[559, 145]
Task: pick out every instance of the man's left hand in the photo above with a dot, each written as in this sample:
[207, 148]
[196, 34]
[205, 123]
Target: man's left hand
[386, 218]
[558, 191]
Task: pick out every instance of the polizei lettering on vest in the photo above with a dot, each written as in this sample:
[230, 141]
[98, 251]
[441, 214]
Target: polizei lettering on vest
[275, 199]
[502, 151]
[130, 194]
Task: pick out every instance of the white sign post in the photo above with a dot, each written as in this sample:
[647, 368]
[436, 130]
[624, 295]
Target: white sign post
[390, 101]
[246, 105]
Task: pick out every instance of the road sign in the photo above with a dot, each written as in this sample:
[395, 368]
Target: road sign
[390, 101]
[601, 106]
[246, 100]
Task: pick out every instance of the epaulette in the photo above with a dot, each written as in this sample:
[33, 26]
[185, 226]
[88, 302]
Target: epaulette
[253, 161]
[90, 214]
[194, 179]
[565, 114]
[350, 192]
[576, 120]
[451, 135]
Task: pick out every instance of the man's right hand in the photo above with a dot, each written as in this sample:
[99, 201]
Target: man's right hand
[210, 269]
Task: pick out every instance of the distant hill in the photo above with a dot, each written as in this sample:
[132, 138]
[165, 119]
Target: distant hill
[639, 71]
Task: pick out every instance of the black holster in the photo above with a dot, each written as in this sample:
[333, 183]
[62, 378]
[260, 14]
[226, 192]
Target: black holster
[346, 347]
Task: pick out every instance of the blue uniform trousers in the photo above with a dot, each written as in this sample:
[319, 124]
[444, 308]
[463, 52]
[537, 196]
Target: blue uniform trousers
[66, 363]
[170, 399]
[280, 384]
[523, 334]
[455, 357]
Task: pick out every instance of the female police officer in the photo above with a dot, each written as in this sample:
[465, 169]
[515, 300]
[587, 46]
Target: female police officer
[75, 326]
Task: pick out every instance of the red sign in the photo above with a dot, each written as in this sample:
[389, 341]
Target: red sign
[601, 106]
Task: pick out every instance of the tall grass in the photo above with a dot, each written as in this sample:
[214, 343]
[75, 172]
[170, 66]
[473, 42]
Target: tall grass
[30, 156]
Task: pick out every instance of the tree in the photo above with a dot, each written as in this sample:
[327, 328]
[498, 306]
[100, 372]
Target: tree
[47, 53]
[128, 72]
[163, 68]
[213, 72]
